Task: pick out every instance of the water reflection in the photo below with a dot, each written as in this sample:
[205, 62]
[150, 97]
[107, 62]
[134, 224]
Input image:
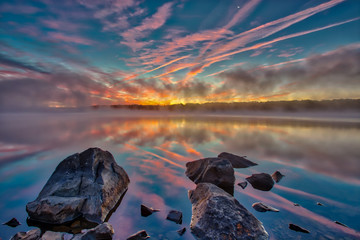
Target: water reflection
[320, 161]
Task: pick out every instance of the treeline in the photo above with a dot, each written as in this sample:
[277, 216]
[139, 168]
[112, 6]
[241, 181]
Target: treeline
[288, 106]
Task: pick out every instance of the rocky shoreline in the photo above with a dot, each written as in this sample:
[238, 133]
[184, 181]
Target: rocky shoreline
[85, 188]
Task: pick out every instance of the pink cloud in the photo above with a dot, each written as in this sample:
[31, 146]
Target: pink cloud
[62, 25]
[19, 9]
[148, 24]
[69, 39]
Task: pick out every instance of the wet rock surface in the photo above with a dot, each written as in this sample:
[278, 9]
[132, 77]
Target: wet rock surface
[181, 231]
[298, 228]
[175, 216]
[261, 181]
[262, 207]
[237, 161]
[218, 215]
[217, 171]
[139, 236]
[12, 223]
[147, 211]
[277, 176]
[33, 234]
[89, 184]
[102, 232]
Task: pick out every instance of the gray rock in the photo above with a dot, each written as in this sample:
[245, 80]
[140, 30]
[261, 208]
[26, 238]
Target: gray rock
[139, 236]
[181, 231]
[102, 232]
[262, 207]
[33, 234]
[147, 211]
[218, 171]
[243, 185]
[277, 176]
[218, 215]
[49, 235]
[175, 216]
[12, 223]
[261, 181]
[237, 161]
[89, 184]
[298, 228]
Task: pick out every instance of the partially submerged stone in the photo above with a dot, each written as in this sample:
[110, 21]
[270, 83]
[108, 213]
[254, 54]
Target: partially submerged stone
[277, 176]
[217, 171]
[237, 161]
[296, 205]
[262, 207]
[12, 223]
[261, 181]
[147, 211]
[175, 216]
[242, 185]
[33, 234]
[218, 215]
[342, 224]
[102, 232]
[87, 185]
[298, 228]
[181, 231]
[319, 204]
[139, 236]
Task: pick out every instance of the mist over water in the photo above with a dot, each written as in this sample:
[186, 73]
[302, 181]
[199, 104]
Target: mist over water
[320, 161]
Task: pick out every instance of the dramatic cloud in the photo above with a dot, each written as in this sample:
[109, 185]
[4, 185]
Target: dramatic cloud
[8, 61]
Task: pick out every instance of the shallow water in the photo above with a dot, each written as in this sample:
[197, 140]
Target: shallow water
[321, 161]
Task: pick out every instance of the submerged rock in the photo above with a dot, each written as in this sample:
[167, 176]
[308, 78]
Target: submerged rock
[298, 228]
[237, 161]
[87, 185]
[139, 236]
[33, 234]
[147, 211]
[261, 181]
[342, 224]
[218, 215]
[277, 176]
[296, 205]
[181, 231]
[243, 185]
[319, 204]
[217, 171]
[175, 216]
[12, 223]
[262, 207]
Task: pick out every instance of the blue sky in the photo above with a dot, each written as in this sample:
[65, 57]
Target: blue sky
[79, 53]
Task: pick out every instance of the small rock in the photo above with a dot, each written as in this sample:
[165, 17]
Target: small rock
[218, 171]
[298, 228]
[296, 204]
[261, 181]
[103, 231]
[243, 185]
[12, 223]
[147, 211]
[33, 234]
[344, 225]
[277, 176]
[262, 207]
[181, 231]
[218, 215]
[49, 235]
[319, 203]
[237, 161]
[139, 236]
[175, 216]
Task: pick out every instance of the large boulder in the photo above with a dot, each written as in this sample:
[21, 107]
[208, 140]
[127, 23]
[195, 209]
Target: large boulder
[217, 171]
[237, 161]
[87, 185]
[218, 215]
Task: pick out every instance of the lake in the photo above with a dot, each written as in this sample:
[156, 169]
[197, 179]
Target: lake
[320, 161]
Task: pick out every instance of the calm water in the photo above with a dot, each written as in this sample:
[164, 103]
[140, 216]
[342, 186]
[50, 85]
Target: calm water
[321, 161]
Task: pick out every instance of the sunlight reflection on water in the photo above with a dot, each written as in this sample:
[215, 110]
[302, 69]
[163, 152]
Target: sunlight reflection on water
[320, 161]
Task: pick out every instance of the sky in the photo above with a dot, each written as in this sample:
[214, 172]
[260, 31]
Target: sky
[74, 53]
